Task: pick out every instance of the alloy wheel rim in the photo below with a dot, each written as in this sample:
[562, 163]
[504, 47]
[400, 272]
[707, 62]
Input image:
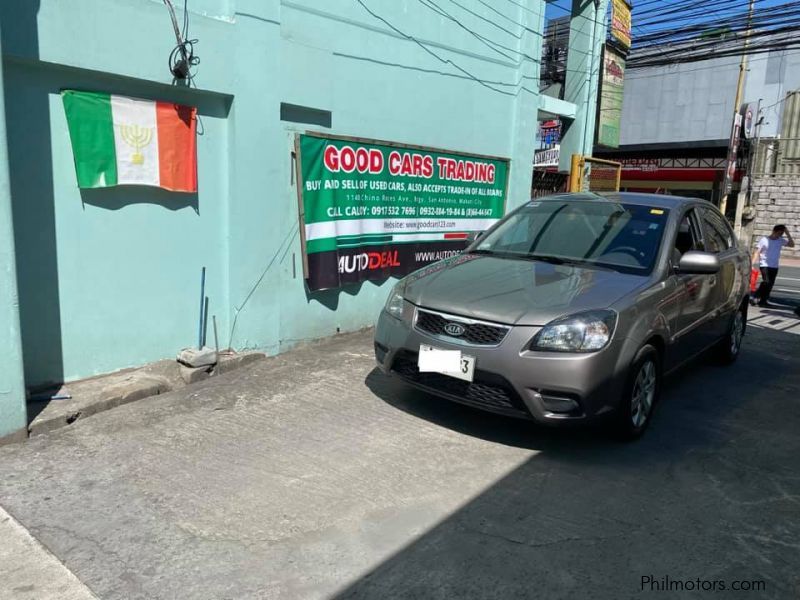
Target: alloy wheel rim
[737, 333]
[644, 393]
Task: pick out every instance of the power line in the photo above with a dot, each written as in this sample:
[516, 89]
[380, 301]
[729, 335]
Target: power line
[720, 54]
[411, 38]
[429, 4]
[479, 16]
[782, 100]
[486, 41]
[493, 9]
[771, 16]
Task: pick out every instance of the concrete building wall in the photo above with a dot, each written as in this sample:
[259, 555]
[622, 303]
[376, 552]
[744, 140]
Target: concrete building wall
[770, 77]
[694, 101]
[776, 202]
[679, 103]
[110, 278]
[12, 383]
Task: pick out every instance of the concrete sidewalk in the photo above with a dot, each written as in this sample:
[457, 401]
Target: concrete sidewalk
[28, 570]
[310, 475]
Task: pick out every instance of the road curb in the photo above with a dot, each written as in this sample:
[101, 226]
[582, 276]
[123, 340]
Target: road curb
[99, 394]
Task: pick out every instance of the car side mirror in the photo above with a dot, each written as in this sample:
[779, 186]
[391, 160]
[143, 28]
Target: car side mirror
[474, 236]
[698, 263]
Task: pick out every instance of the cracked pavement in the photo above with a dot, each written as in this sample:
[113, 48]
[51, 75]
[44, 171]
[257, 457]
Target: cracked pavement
[311, 475]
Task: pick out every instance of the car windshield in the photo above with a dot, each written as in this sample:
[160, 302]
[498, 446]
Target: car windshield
[600, 234]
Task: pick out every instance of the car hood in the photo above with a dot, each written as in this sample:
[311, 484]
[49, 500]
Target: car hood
[511, 291]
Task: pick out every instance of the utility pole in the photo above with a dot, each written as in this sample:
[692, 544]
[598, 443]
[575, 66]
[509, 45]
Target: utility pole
[730, 165]
[753, 144]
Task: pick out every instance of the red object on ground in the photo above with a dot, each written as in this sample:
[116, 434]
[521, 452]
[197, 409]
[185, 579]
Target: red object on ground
[753, 280]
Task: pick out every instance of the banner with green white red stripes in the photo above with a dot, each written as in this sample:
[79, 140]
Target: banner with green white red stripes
[396, 208]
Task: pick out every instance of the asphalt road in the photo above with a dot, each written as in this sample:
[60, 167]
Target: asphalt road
[311, 475]
[787, 287]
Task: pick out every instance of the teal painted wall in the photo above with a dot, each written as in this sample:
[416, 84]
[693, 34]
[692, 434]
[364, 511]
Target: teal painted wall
[12, 383]
[587, 34]
[109, 278]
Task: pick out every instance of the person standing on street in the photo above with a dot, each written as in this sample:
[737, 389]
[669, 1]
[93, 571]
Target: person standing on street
[766, 257]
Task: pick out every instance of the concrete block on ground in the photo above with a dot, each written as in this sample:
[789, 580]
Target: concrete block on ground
[230, 362]
[194, 357]
[194, 374]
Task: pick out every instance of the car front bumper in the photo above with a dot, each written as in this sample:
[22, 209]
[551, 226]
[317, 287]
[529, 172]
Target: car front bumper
[549, 387]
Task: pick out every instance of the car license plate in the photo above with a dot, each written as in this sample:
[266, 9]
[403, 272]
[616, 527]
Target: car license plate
[447, 362]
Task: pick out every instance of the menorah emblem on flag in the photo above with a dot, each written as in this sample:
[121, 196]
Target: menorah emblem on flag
[129, 141]
[137, 138]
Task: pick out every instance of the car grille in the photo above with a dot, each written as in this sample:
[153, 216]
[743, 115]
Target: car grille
[479, 334]
[488, 391]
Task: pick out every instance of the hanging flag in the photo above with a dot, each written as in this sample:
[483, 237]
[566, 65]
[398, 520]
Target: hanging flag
[126, 141]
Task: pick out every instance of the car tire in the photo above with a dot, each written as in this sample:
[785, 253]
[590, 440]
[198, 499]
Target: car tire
[640, 395]
[730, 346]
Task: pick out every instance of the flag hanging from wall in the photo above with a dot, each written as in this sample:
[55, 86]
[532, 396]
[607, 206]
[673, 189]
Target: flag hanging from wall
[127, 141]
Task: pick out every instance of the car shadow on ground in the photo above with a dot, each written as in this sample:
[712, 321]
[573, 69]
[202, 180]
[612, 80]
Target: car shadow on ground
[685, 390]
[695, 408]
[710, 493]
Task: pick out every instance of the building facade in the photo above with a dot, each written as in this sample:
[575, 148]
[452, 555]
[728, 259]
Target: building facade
[96, 280]
[676, 129]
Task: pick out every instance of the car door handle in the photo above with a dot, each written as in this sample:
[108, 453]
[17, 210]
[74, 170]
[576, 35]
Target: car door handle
[712, 281]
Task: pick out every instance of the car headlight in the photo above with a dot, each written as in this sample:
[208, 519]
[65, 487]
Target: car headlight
[584, 332]
[394, 303]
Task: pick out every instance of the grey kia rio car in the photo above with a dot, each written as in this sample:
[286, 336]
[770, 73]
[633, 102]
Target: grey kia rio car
[572, 308]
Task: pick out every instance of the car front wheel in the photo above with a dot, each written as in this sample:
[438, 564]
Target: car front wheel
[640, 395]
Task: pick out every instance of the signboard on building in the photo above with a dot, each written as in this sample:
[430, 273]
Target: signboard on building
[549, 133]
[610, 106]
[648, 165]
[621, 22]
[733, 150]
[750, 120]
[370, 210]
[548, 157]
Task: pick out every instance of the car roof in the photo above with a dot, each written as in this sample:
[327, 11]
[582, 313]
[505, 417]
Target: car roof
[654, 200]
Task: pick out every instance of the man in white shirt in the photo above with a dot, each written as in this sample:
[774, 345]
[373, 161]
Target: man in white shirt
[767, 256]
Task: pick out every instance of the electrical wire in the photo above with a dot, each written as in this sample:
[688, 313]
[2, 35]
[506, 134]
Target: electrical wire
[182, 59]
[288, 240]
[714, 49]
[767, 29]
[443, 60]
[737, 22]
[782, 100]
[483, 39]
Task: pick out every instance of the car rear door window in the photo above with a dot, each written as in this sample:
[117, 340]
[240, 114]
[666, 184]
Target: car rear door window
[718, 233]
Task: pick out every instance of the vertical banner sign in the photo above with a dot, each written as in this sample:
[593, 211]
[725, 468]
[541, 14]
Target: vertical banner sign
[611, 91]
[733, 148]
[370, 210]
[621, 22]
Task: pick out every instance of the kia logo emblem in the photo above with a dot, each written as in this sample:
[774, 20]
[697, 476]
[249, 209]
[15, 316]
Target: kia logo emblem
[454, 329]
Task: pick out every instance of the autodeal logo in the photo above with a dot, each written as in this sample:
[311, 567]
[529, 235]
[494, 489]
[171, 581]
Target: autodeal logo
[368, 261]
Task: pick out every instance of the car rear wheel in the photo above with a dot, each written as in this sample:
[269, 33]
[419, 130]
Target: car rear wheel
[640, 395]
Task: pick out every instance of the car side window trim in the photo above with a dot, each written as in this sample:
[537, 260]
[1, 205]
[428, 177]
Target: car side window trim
[721, 228]
[697, 228]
